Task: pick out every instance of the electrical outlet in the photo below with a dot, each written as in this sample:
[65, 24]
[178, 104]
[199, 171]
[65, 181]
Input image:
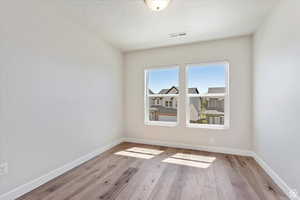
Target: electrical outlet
[3, 168]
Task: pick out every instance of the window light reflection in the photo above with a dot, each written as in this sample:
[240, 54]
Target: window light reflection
[144, 150]
[190, 160]
[132, 154]
[189, 163]
[193, 157]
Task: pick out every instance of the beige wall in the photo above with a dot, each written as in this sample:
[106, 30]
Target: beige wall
[60, 91]
[238, 51]
[277, 92]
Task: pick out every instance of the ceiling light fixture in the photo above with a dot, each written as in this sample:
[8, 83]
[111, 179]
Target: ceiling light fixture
[157, 5]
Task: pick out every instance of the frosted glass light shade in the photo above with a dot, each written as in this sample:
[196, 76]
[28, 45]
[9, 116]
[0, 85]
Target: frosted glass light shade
[157, 5]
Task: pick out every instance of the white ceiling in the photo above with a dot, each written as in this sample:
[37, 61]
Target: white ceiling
[130, 25]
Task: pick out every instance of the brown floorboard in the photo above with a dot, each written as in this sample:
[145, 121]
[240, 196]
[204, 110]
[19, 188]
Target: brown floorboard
[188, 175]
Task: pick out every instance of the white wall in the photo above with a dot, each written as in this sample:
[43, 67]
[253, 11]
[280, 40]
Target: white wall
[60, 91]
[238, 51]
[277, 92]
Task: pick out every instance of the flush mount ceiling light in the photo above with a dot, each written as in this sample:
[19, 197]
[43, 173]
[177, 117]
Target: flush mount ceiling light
[157, 5]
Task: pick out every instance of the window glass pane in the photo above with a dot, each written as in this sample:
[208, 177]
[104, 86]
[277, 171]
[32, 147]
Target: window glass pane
[159, 110]
[206, 79]
[206, 110]
[163, 81]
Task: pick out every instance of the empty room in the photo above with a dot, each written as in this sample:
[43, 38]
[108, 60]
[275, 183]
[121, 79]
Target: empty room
[149, 100]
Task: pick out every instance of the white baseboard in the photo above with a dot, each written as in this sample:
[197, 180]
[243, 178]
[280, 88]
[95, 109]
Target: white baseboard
[23, 189]
[285, 188]
[194, 147]
[276, 178]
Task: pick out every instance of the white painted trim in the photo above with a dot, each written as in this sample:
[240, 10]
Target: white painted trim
[189, 146]
[207, 126]
[161, 123]
[275, 177]
[147, 96]
[207, 95]
[23, 189]
[163, 95]
[226, 95]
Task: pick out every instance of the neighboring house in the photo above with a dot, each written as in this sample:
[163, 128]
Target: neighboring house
[195, 105]
[212, 107]
[194, 113]
[164, 108]
[203, 110]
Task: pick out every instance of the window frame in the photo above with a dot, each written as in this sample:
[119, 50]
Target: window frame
[226, 97]
[166, 104]
[147, 96]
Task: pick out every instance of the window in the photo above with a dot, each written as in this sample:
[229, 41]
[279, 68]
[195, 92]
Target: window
[153, 101]
[162, 85]
[207, 95]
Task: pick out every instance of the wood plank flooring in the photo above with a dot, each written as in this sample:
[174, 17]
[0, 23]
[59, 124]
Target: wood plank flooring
[160, 173]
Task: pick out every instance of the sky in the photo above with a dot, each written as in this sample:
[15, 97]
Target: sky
[200, 77]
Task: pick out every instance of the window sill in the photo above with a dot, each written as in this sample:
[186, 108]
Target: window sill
[167, 124]
[207, 126]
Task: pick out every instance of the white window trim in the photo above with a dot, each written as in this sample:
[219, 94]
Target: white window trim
[226, 98]
[147, 95]
[162, 95]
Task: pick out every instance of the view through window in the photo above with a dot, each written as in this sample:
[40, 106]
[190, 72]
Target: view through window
[207, 94]
[161, 95]
[207, 98]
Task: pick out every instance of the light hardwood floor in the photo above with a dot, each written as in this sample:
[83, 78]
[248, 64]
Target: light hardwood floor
[123, 173]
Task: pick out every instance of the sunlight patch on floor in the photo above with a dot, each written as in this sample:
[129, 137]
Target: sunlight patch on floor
[144, 150]
[190, 160]
[139, 152]
[189, 163]
[193, 157]
[136, 155]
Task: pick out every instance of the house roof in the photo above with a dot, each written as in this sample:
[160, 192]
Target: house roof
[173, 87]
[164, 91]
[216, 90]
[211, 90]
[150, 91]
[193, 91]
